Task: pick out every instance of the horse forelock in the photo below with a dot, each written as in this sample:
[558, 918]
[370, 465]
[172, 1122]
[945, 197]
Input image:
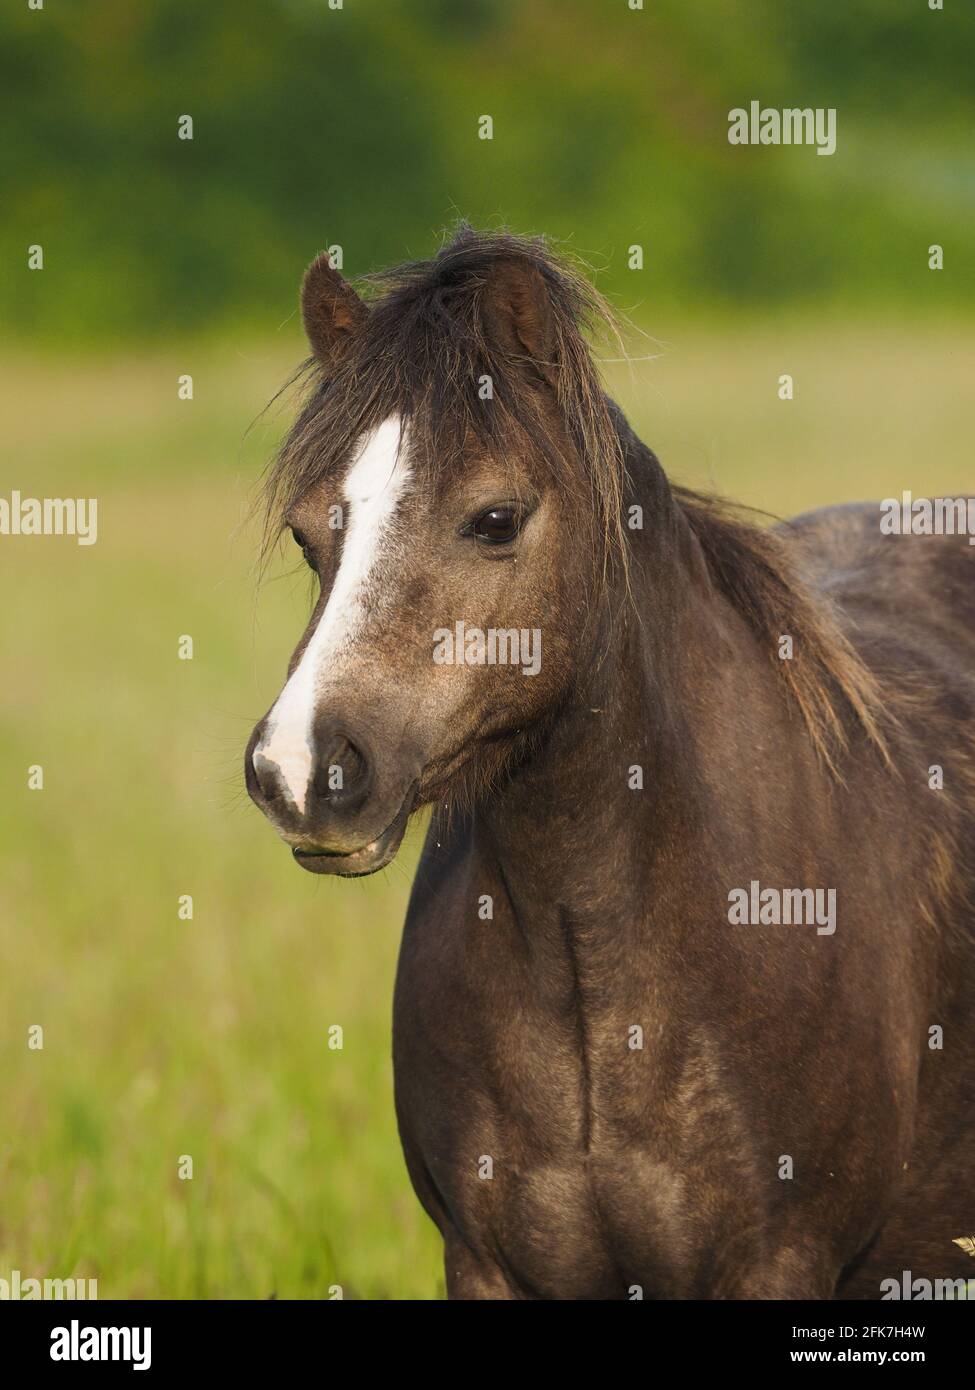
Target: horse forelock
[426, 353]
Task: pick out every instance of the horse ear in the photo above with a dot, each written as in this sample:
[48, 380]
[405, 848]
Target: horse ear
[518, 311]
[331, 311]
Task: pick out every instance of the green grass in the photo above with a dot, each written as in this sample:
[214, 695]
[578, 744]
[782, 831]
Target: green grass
[209, 1037]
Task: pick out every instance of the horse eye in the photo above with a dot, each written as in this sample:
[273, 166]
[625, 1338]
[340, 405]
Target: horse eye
[497, 525]
[302, 541]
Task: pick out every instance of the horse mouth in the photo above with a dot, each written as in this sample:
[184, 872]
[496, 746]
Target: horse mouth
[357, 863]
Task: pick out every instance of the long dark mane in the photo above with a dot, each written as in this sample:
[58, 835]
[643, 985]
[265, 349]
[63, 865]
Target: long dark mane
[752, 566]
[422, 352]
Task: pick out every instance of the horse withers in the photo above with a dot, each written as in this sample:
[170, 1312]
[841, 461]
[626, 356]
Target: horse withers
[686, 997]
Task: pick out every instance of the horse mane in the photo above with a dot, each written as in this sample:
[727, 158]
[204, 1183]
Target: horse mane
[754, 569]
[422, 351]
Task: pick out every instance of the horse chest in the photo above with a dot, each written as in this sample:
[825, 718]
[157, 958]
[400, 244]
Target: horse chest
[599, 1225]
[562, 1167]
[608, 1222]
[557, 1120]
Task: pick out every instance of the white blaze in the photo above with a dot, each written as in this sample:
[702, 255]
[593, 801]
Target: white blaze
[373, 487]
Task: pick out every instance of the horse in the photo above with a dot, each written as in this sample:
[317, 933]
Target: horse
[684, 1002]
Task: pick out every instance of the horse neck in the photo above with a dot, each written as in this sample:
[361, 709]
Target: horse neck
[573, 834]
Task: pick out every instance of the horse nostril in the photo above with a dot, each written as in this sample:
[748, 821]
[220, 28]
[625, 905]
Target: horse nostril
[341, 768]
[266, 775]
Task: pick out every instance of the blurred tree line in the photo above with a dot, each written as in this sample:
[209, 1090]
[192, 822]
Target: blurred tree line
[359, 126]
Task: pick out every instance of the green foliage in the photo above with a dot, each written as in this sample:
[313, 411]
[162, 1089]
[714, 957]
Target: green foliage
[358, 126]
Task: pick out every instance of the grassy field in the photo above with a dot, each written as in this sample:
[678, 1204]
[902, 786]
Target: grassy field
[209, 1037]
